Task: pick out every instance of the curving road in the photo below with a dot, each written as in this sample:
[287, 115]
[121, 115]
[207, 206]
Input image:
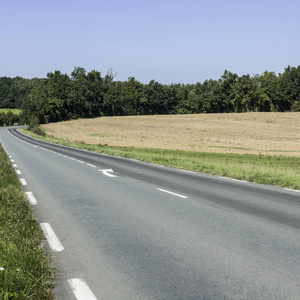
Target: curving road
[132, 230]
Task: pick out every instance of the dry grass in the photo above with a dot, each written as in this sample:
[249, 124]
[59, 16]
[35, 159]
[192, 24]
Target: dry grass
[246, 133]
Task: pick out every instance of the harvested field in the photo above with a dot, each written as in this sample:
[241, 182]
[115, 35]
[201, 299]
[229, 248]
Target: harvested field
[245, 133]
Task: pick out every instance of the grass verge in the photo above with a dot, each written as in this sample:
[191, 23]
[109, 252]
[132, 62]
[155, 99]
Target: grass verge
[273, 170]
[15, 111]
[25, 271]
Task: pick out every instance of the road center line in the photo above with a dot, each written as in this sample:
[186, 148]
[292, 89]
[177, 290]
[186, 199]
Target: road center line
[80, 289]
[91, 165]
[80, 161]
[178, 195]
[31, 198]
[51, 237]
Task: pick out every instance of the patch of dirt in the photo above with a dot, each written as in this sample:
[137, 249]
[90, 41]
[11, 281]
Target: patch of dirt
[245, 133]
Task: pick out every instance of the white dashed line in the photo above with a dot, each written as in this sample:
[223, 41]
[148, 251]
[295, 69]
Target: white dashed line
[80, 289]
[178, 195]
[51, 237]
[12, 160]
[80, 161]
[31, 198]
[91, 165]
[18, 172]
[23, 181]
[15, 166]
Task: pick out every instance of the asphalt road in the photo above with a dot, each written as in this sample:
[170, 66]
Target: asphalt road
[132, 230]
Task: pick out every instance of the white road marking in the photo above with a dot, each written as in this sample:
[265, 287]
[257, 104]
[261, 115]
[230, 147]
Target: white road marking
[31, 198]
[51, 237]
[107, 172]
[187, 171]
[80, 161]
[178, 195]
[237, 180]
[91, 165]
[15, 166]
[12, 160]
[23, 181]
[18, 172]
[291, 190]
[80, 289]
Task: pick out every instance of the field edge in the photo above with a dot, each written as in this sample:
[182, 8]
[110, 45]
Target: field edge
[264, 169]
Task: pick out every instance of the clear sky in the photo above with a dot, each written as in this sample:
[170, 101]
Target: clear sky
[171, 41]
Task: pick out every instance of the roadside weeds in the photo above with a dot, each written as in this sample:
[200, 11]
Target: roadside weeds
[25, 271]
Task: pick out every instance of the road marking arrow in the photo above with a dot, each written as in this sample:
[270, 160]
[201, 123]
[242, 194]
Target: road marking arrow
[107, 172]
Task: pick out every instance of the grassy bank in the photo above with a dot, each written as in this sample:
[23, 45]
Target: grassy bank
[25, 272]
[273, 170]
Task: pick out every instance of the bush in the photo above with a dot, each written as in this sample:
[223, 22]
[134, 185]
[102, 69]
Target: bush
[34, 126]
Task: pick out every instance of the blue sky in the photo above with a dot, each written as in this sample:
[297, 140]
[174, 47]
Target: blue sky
[171, 41]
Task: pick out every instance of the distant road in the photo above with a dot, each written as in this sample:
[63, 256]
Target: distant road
[132, 230]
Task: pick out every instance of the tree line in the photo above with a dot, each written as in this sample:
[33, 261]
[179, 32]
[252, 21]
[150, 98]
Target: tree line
[83, 94]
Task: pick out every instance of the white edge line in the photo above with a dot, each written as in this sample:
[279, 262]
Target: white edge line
[80, 289]
[187, 171]
[178, 195]
[232, 179]
[23, 181]
[51, 237]
[291, 190]
[31, 198]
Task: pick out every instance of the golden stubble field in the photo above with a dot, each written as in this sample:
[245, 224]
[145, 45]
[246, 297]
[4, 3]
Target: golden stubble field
[245, 133]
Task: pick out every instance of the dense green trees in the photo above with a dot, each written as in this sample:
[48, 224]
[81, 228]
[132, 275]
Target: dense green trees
[9, 119]
[87, 94]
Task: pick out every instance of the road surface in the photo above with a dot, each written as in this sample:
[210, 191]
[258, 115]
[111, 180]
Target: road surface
[123, 229]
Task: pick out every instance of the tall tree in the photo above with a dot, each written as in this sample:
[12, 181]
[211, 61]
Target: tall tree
[77, 102]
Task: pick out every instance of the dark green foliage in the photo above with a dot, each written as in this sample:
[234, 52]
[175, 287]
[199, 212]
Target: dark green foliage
[9, 119]
[84, 94]
[34, 126]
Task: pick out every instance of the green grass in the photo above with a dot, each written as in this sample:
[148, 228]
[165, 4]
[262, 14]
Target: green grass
[13, 110]
[26, 272]
[266, 169]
